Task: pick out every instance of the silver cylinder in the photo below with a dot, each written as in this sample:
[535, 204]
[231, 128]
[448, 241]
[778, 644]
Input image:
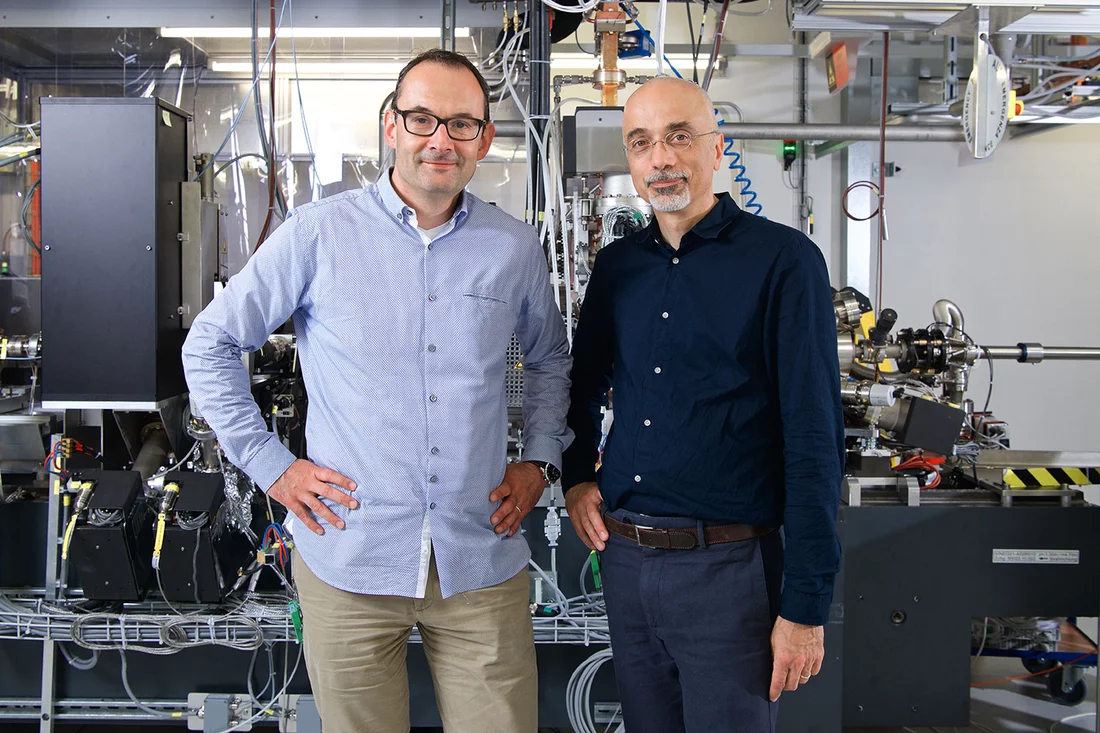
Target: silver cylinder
[845, 350]
[204, 164]
[893, 417]
[894, 133]
[24, 347]
[618, 190]
[867, 393]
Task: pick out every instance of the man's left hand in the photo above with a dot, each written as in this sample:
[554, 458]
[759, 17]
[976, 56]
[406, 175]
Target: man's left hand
[797, 653]
[518, 494]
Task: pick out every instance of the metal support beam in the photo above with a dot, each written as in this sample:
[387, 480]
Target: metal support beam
[950, 69]
[802, 212]
[539, 105]
[851, 133]
[447, 26]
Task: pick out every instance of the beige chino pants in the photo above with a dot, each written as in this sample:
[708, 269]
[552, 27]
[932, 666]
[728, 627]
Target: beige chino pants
[479, 645]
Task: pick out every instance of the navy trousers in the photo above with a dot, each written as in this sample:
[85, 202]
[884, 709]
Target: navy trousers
[691, 631]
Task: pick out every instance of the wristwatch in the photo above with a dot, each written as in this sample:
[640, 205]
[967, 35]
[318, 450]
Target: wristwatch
[550, 472]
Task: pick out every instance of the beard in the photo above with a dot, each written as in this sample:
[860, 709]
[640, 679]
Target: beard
[674, 198]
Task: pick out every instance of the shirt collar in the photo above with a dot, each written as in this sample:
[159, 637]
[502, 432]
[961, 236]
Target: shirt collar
[718, 219]
[711, 227]
[403, 212]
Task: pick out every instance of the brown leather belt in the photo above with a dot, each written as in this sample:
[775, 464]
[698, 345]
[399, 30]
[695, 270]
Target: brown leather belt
[686, 538]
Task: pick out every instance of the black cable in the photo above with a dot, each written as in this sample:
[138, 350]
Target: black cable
[694, 49]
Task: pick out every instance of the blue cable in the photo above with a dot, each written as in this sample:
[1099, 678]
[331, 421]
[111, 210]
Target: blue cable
[643, 30]
[744, 180]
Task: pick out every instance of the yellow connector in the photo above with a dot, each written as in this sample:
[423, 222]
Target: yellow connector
[68, 537]
[160, 540]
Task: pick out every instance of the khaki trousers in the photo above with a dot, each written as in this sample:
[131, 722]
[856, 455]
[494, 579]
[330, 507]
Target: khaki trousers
[479, 645]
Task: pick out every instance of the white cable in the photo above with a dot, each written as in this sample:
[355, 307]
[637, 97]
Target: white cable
[752, 14]
[133, 697]
[183, 460]
[279, 694]
[78, 662]
[13, 123]
[1068, 718]
[659, 35]
[582, 7]
[578, 692]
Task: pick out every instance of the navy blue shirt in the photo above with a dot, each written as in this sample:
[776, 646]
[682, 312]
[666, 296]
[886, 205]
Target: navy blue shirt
[722, 361]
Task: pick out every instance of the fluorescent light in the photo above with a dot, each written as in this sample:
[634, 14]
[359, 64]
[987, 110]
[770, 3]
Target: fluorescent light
[305, 32]
[316, 68]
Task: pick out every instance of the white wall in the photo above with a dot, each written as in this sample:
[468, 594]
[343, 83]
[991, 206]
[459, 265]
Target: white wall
[1014, 241]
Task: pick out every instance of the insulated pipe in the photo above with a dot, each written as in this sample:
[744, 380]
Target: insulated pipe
[719, 31]
[792, 131]
[154, 450]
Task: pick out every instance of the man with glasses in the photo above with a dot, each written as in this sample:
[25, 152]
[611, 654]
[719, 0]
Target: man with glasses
[405, 296]
[714, 331]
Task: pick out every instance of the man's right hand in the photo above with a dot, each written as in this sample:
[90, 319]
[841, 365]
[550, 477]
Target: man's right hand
[583, 503]
[300, 486]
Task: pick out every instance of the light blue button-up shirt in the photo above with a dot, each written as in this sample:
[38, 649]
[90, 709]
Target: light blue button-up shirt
[402, 345]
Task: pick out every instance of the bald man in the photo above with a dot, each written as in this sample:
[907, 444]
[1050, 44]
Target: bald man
[713, 330]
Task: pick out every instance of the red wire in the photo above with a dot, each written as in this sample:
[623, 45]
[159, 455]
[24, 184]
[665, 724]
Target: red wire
[1033, 674]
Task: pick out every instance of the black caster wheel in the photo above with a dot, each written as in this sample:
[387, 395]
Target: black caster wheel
[1035, 666]
[1075, 695]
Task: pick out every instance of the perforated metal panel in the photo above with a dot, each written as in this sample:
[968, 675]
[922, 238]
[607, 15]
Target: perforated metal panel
[513, 376]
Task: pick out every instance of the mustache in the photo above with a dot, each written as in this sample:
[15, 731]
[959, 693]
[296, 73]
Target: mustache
[657, 176]
[438, 157]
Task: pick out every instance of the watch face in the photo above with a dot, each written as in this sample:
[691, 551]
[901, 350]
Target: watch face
[552, 472]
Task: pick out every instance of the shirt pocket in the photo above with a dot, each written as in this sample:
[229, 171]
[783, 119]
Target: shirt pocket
[492, 319]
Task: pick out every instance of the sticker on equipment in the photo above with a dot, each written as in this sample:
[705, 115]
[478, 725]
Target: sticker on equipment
[1037, 557]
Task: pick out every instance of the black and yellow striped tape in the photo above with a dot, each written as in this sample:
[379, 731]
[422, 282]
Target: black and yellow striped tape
[1050, 478]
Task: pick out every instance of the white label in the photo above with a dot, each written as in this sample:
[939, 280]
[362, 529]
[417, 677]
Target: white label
[1037, 557]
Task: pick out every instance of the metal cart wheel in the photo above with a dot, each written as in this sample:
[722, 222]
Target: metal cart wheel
[1067, 685]
[1035, 666]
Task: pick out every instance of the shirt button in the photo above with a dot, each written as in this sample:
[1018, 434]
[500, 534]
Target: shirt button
[432, 479]
[432, 398]
[675, 260]
[431, 297]
[664, 315]
[637, 479]
[656, 370]
[431, 347]
[647, 423]
[435, 451]
[432, 505]
[430, 246]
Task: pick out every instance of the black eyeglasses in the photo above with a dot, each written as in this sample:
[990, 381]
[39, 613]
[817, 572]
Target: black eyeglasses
[424, 124]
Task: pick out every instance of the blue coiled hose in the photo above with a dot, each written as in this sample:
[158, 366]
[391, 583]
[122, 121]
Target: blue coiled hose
[744, 180]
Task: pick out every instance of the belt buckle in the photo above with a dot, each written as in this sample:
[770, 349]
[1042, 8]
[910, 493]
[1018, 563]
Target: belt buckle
[638, 534]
